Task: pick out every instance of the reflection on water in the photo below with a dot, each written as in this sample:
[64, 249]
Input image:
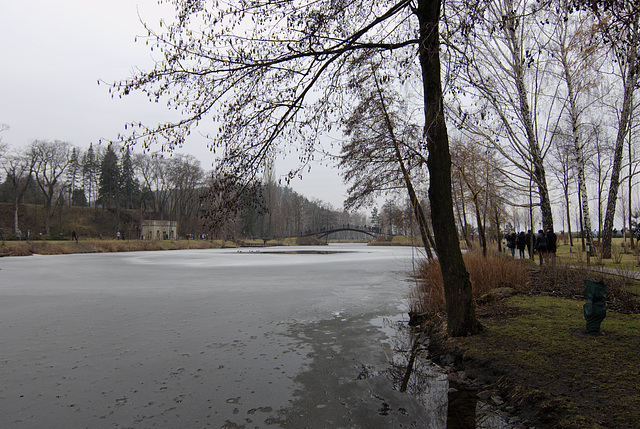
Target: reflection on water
[450, 405]
[462, 407]
[425, 380]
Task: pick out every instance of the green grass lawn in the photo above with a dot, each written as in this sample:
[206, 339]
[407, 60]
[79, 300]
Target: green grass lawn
[578, 380]
[622, 257]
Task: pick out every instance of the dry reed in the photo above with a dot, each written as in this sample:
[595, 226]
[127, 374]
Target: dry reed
[486, 274]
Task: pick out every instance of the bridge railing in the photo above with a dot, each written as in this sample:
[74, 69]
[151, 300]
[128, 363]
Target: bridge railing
[372, 231]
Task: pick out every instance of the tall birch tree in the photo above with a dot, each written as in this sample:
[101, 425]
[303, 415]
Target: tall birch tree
[506, 74]
[620, 22]
[580, 55]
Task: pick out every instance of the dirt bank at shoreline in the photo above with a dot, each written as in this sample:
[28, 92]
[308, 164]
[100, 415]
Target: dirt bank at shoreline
[64, 247]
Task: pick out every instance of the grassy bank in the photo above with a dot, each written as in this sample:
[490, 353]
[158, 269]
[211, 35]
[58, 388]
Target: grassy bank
[534, 352]
[64, 247]
[623, 256]
[396, 240]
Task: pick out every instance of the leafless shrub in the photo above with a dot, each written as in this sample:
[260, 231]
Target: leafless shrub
[617, 252]
[598, 253]
[578, 258]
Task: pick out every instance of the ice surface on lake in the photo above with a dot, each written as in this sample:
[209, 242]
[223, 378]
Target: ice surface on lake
[195, 337]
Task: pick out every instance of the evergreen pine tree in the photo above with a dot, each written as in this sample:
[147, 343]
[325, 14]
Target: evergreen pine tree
[73, 174]
[129, 185]
[109, 179]
[88, 172]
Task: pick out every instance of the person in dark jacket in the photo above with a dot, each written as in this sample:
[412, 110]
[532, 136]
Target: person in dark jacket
[511, 243]
[521, 243]
[541, 245]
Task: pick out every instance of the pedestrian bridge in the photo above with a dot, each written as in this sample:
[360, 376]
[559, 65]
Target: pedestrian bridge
[324, 232]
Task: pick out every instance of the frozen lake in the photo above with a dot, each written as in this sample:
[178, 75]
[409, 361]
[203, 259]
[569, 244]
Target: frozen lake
[204, 338]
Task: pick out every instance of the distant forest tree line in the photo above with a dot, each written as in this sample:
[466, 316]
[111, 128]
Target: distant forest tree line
[123, 188]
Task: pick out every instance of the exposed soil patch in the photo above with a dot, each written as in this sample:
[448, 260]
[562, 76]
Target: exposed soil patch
[498, 311]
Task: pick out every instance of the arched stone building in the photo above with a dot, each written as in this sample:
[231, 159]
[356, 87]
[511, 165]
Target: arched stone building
[159, 230]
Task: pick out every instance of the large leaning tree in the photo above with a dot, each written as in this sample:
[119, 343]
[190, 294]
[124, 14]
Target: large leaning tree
[264, 77]
[382, 152]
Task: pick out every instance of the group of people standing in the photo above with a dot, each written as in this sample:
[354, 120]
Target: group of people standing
[545, 243]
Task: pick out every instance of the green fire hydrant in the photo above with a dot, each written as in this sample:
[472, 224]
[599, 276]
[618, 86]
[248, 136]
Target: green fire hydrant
[595, 309]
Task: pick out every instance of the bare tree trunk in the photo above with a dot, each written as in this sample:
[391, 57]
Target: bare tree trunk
[47, 215]
[498, 228]
[461, 318]
[585, 219]
[539, 174]
[462, 216]
[625, 115]
[582, 234]
[566, 198]
[427, 240]
[481, 227]
[633, 246]
[533, 230]
[15, 215]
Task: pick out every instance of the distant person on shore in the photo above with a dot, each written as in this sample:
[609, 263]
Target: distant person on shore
[529, 238]
[511, 243]
[541, 245]
[521, 243]
[74, 236]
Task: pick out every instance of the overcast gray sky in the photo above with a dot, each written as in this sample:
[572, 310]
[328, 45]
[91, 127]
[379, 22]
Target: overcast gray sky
[54, 52]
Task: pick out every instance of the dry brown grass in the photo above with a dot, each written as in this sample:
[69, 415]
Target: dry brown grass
[124, 245]
[46, 248]
[15, 250]
[34, 248]
[486, 274]
[104, 246]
